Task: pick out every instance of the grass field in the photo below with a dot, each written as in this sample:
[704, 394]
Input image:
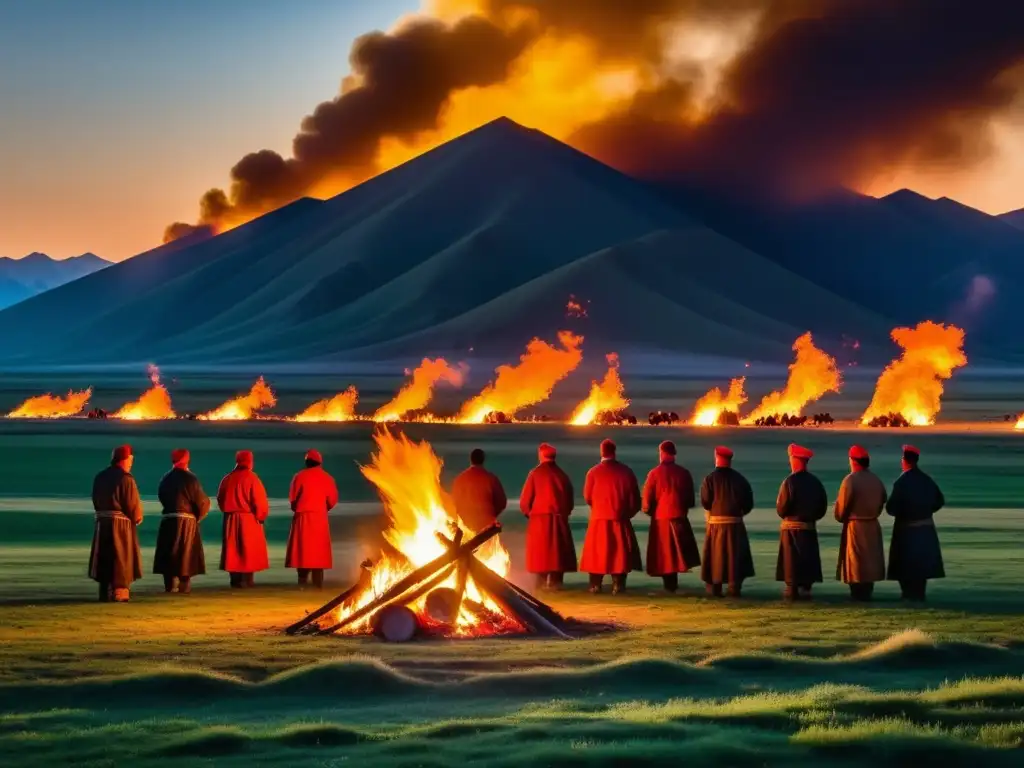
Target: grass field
[211, 679]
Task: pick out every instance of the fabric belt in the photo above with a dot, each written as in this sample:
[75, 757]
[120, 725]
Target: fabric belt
[724, 520]
[178, 514]
[862, 519]
[110, 514]
[926, 523]
[797, 525]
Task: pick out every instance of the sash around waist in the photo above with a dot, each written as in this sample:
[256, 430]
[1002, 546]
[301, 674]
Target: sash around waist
[186, 515]
[724, 520]
[110, 514]
[797, 525]
[862, 519]
[925, 523]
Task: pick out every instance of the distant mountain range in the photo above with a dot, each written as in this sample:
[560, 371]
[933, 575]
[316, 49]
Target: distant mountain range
[37, 272]
[479, 243]
[1016, 218]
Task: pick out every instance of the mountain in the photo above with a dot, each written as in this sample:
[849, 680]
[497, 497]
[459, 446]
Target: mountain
[37, 272]
[475, 245]
[1013, 218]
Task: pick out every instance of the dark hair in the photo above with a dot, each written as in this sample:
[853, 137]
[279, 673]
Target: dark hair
[310, 463]
[865, 462]
[911, 458]
[477, 457]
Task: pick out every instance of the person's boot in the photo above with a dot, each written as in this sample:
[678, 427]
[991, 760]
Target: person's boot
[540, 581]
[618, 583]
[804, 593]
[303, 575]
[790, 593]
[713, 590]
[318, 578]
[185, 585]
[596, 580]
[106, 593]
[736, 590]
[670, 582]
[555, 581]
[249, 580]
[236, 580]
[168, 583]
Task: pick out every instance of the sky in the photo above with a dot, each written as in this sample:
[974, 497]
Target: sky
[115, 115]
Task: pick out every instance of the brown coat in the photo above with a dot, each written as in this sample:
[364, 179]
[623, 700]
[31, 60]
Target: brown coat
[479, 498]
[179, 546]
[115, 557]
[861, 500]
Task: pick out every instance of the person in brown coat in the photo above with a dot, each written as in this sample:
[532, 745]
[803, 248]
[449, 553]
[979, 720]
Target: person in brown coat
[478, 494]
[115, 560]
[179, 547]
[727, 498]
[547, 500]
[861, 552]
[801, 503]
[610, 547]
[668, 496]
[243, 500]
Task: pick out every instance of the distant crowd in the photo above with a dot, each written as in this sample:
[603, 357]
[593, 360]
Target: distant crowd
[610, 547]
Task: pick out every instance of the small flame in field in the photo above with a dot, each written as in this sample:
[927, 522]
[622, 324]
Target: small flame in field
[576, 308]
[407, 475]
[244, 407]
[52, 407]
[605, 395]
[714, 403]
[341, 407]
[418, 392]
[813, 374]
[155, 403]
[516, 387]
[1020, 422]
[911, 385]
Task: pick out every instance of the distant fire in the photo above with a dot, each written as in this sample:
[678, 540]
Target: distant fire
[341, 407]
[575, 308]
[605, 395]
[709, 409]
[911, 385]
[154, 405]
[812, 374]
[1020, 422]
[417, 393]
[516, 387]
[52, 407]
[244, 407]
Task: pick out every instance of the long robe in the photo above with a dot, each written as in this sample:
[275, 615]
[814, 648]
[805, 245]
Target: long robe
[547, 500]
[727, 498]
[115, 557]
[479, 498]
[668, 496]
[243, 500]
[613, 494]
[313, 493]
[914, 552]
[179, 546]
[861, 551]
[802, 502]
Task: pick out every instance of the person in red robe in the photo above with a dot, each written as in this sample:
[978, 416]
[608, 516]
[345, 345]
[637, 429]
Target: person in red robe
[478, 494]
[243, 500]
[610, 547]
[547, 501]
[668, 497]
[312, 495]
[115, 560]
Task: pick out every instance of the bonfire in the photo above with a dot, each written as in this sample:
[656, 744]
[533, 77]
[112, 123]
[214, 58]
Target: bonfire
[433, 575]
[416, 395]
[154, 405]
[341, 407]
[718, 409]
[814, 373]
[606, 400]
[911, 386]
[246, 406]
[52, 407]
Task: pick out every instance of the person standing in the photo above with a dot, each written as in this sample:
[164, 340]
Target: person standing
[801, 503]
[243, 500]
[914, 552]
[861, 552]
[610, 547]
[313, 493]
[115, 560]
[478, 494]
[668, 496]
[179, 546]
[727, 498]
[547, 500]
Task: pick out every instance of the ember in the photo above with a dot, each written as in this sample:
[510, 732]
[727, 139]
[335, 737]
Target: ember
[51, 407]
[415, 395]
[717, 409]
[911, 386]
[244, 407]
[606, 397]
[341, 407]
[155, 403]
[811, 375]
[516, 387]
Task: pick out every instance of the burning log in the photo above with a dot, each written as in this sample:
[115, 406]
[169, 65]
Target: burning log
[657, 418]
[606, 397]
[395, 623]
[897, 420]
[96, 413]
[497, 417]
[361, 583]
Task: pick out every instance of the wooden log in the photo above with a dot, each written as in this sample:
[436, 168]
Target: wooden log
[329, 606]
[441, 605]
[502, 591]
[414, 578]
[425, 587]
[539, 605]
[395, 623]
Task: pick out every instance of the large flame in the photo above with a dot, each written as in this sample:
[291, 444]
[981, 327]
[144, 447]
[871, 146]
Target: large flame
[911, 385]
[1020, 422]
[244, 407]
[154, 405]
[52, 407]
[605, 395]
[417, 393]
[341, 407]
[516, 387]
[714, 403]
[812, 374]
[407, 475]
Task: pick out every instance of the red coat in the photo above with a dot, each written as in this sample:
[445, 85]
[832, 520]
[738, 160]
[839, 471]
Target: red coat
[243, 500]
[668, 496]
[613, 494]
[479, 498]
[313, 494]
[547, 501]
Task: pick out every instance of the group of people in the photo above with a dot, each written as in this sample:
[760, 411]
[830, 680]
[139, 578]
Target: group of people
[610, 547]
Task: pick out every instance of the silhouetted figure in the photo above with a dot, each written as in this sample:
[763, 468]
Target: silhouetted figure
[179, 546]
[801, 503]
[914, 552]
[115, 560]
